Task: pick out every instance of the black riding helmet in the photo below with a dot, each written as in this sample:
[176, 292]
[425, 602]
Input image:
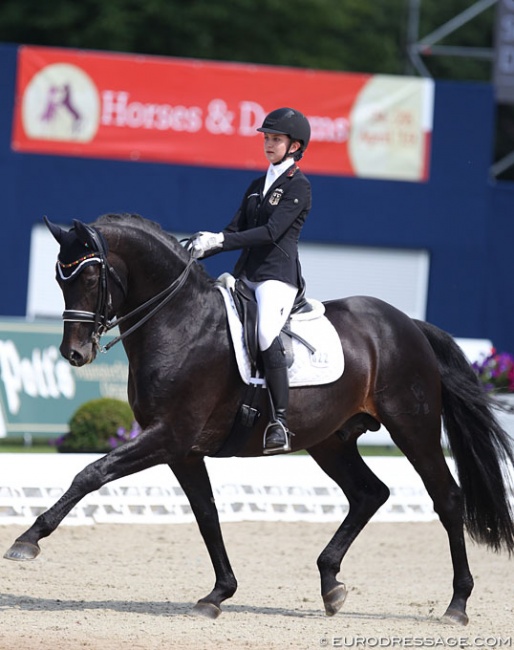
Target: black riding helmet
[288, 121]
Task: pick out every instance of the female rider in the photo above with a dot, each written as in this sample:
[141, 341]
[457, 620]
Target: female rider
[267, 227]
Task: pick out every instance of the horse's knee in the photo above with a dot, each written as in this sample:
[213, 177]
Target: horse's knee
[88, 480]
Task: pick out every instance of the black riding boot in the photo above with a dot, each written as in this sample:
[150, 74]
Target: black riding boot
[276, 435]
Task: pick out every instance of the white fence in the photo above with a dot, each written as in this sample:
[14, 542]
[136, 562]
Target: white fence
[286, 488]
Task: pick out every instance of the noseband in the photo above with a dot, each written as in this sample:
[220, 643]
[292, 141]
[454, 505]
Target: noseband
[100, 317]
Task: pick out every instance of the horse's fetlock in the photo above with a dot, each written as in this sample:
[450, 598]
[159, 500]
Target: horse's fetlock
[328, 565]
[230, 587]
[464, 586]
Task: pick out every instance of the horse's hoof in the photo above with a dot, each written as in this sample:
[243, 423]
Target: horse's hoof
[21, 551]
[334, 600]
[207, 610]
[454, 617]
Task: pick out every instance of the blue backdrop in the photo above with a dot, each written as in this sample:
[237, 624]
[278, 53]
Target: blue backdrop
[463, 218]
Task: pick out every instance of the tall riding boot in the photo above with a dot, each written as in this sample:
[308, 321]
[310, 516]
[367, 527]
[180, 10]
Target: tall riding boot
[276, 435]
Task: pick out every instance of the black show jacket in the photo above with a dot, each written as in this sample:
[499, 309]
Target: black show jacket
[268, 228]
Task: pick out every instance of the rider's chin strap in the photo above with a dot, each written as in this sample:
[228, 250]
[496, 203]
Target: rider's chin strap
[295, 155]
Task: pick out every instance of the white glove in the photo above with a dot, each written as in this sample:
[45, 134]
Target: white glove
[203, 242]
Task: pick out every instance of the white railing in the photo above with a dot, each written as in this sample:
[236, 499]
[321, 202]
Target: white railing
[286, 488]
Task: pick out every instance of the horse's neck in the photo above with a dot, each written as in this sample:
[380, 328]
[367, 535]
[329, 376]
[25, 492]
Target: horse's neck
[189, 330]
[152, 266]
[195, 305]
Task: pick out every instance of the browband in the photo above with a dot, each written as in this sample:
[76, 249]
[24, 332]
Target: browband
[92, 258]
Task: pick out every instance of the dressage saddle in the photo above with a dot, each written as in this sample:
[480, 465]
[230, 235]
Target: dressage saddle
[246, 305]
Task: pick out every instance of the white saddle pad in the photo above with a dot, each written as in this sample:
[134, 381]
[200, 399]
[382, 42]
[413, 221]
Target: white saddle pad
[323, 366]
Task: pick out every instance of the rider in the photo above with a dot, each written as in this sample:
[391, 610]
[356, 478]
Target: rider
[267, 227]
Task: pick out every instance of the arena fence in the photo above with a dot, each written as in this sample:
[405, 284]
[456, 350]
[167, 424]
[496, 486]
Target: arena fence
[286, 488]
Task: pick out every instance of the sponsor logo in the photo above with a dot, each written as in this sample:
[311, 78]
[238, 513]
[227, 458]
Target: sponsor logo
[61, 102]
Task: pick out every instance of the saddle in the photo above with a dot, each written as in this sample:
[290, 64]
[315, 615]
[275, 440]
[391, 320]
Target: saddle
[316, 361]
[246, 306]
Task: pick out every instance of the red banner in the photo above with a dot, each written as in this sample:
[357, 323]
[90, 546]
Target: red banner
[193, 112]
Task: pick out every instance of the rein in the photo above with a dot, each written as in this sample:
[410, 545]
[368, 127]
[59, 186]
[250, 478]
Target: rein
[99, 317]
[166, 295]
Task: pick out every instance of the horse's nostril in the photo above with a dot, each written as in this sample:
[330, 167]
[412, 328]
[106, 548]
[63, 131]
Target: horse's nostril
[75, 357]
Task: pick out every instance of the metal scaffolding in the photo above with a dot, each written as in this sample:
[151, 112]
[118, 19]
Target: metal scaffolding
[417, 47]
[427, 46]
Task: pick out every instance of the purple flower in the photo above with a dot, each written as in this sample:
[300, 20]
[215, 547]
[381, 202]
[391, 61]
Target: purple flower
[122, 435]
[495, 371]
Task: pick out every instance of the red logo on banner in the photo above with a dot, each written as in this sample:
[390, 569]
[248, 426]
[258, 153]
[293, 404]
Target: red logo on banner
[202, 113]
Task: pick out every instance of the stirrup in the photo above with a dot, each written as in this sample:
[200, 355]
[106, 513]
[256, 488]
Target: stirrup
[282, 447]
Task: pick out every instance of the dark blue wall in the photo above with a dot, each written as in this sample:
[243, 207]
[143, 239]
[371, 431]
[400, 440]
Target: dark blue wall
[460, 216]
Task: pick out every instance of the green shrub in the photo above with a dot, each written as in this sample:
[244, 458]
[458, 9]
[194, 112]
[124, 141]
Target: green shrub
[94, 423]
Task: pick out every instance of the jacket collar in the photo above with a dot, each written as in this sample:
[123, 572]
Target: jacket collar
[276, 171]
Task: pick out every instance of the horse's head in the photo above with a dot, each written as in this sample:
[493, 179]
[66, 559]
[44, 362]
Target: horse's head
[91, 289]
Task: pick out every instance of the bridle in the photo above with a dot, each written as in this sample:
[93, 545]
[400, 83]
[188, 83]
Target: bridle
[100, 317]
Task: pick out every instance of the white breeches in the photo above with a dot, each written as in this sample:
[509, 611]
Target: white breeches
[275, 300]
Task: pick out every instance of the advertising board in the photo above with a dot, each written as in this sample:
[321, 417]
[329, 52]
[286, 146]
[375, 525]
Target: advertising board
[39, 390]
[203, 113]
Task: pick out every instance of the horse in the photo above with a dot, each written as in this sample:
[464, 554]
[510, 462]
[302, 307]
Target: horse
[185, 389]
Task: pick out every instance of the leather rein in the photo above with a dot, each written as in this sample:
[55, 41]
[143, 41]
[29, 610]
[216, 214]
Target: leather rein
[99, 317]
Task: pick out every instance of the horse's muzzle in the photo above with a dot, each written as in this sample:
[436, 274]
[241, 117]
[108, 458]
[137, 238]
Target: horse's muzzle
[78, 355]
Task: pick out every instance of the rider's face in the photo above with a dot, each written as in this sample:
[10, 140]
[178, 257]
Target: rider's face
[276, 145]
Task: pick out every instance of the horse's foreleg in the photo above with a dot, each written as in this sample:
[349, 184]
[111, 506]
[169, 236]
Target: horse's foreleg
[365, 494]
[131, 457]
[194, 480]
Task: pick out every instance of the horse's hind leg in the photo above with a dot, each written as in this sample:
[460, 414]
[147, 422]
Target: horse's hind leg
[365, 493]
[425, 453]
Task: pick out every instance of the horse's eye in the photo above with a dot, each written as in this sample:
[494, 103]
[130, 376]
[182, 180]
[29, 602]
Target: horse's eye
[90, 278]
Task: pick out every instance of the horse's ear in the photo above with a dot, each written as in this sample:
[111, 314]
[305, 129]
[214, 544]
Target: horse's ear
[84, 233]
[81, 229]
[88, 235]
[56, 231]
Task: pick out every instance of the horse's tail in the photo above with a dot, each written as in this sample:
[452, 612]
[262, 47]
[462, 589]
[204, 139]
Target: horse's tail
[480, 447]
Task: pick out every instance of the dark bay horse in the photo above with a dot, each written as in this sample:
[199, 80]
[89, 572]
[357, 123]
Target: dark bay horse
[185, 389]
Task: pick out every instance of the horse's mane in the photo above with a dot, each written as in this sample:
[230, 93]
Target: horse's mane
[150, 227]
[137, 221]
